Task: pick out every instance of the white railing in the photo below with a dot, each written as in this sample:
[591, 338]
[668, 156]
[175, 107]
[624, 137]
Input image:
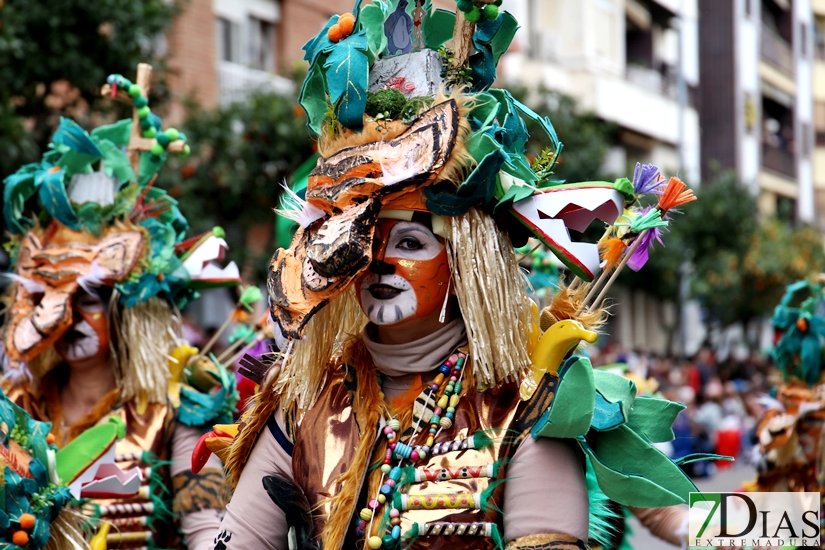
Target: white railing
[651, 80]
[236, 81]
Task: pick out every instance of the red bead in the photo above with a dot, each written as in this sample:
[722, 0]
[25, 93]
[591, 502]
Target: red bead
[414, 455]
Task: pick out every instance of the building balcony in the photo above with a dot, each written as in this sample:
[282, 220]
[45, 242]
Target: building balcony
[652, 80]
[236, 82]
[779, 160]
[777, 52]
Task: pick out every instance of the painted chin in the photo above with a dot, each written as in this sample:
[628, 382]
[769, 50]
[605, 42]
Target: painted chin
[79, 343]
[388, 302]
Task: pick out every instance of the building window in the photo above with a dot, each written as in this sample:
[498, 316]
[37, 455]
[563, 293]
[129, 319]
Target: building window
[228, 40]
[819, 37]
[261, 44]
[819, 123]
[778, 145]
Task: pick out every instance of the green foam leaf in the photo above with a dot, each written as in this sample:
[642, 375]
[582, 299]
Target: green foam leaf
[437, 28]
[571, 412]
[118, 133]
[653, 418]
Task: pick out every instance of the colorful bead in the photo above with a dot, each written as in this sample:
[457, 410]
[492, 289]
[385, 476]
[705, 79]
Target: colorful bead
[385, 490]
[396, 532]
[414, 455]
[454, 401]
[395, 474]
[387, 430]
[382, 499]
[366, 514]
[385, 468]
[446, 423]
[395, 424]
[374, 542]
[394, 513]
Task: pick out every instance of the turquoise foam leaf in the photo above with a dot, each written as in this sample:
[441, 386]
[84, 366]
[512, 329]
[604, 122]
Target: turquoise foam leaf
[70, 134]
[371, 20]
[313, 97]
[18, 188]
[347, 74]
[52, 193]
[320, 43]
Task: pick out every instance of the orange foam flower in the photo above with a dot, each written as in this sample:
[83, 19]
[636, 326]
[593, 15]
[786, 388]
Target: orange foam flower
[676, 194]
[612, 250]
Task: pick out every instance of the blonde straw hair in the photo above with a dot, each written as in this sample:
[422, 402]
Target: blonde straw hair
[142, 336]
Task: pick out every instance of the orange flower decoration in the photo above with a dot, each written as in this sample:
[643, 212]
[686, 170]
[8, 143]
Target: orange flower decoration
[676, 194]
[612, 250]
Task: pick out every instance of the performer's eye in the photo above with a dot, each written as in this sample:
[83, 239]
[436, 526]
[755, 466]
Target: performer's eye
[410, 243]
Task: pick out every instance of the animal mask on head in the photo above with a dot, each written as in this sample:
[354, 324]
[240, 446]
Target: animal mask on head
[348, 190]
[49, 275]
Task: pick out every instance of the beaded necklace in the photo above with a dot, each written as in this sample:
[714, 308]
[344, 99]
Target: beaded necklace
[390, 476]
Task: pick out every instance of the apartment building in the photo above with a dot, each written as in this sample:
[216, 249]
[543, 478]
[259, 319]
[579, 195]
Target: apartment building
[819, 110]
[220, 50]
[760, 122]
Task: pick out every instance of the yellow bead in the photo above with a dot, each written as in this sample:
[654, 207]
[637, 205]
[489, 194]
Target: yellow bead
[430, 441]
[453, 400]
[446, 423]
[374, 542]
[442, 402]
[382, 499]
[366, 514]
[438, 379]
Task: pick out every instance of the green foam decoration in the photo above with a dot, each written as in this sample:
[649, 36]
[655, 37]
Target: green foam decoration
[115, 163]
[616, 389]
[625, 187]
[73, 459]
[118, 133]
[571, 412]
[437, 28]
[632, 472]
[371, 20]
[606, 415]
[652, 418]
[53, 196]
[313, 98]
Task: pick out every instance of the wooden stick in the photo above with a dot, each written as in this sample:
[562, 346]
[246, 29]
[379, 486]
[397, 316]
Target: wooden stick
[621, 265]
[462, 40]
[217, 335]
[594, 287]
[136, 140]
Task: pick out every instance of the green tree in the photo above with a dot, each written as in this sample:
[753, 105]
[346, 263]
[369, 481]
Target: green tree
[55, 55]
[241, 155]
[585, 136]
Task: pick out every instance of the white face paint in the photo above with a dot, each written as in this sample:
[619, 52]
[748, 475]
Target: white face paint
[413, 251]
[83, 340]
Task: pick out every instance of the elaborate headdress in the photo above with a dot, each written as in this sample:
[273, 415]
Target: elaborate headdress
[801, 332]
[399, 95]
[95, 219]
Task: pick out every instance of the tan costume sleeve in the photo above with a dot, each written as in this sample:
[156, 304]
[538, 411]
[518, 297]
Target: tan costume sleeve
[197, 497]
[252, 520]
[545, 491]
[668, 523]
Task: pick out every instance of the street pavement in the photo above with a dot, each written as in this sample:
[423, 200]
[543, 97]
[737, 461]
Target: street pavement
[726, 480]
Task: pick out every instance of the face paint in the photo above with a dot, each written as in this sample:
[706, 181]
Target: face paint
[409, 277]
[88, 336]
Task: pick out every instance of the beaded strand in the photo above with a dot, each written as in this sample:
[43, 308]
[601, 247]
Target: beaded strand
[390, 475]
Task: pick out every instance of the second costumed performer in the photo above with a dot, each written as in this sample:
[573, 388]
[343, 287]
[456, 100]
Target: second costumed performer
[418, 403]
[92, 330]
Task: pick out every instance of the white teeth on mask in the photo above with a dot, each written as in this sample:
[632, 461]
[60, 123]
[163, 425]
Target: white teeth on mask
[544, 212]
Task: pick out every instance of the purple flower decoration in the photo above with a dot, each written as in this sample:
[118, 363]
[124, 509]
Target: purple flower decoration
[647, 179]
[642, 253]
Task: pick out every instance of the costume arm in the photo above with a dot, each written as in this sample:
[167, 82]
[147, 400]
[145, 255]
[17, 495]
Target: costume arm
[668, 523]
[197, 496]
[545, 497]
[252, 520]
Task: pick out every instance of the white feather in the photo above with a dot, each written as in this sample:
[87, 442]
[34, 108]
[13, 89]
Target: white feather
[32, 287]
[94, 278]
[297, 209]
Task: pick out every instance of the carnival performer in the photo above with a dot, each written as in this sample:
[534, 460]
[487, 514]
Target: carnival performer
[418, 404]
[99, 270]
[789, 453]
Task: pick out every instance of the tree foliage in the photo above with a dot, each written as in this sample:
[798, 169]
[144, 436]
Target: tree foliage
[241, 155]
[55, 55]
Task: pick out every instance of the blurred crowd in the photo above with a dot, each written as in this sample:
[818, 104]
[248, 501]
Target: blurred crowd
[722, 398]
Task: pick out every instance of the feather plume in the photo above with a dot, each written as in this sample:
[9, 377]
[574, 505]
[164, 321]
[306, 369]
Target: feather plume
[676, 194]
[95, 278]
[612, 250]
[292, 500]
[32, 287]
[297, 209]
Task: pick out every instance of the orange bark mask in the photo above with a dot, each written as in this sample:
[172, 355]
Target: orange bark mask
[49, 275]
[347, 191]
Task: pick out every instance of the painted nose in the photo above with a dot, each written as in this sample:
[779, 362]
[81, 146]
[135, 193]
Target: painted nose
[380, 267]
